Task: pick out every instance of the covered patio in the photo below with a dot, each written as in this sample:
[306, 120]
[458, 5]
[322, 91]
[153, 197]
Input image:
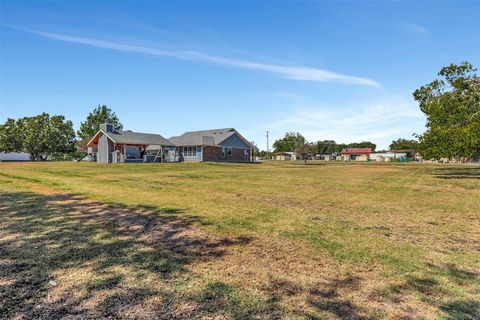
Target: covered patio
[114, 146]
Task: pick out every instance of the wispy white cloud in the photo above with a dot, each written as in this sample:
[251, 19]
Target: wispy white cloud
[289, 72]
[416, 29]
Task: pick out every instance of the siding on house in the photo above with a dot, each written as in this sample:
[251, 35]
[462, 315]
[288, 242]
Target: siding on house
[105, 148]
[235, 142]
[197, 157]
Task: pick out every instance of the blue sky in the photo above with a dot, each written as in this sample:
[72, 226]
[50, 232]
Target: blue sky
[330, 70]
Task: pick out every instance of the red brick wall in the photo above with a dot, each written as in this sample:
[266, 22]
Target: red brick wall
[212, 153]
[237, 155]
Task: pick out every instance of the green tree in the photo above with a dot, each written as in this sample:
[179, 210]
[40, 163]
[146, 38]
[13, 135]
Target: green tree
[289, 142]
[326, 147]
[340, 147]
[452, 107]
[404, 144]
[44, 136]
[305, 149]
[99, 115]
[40, 136]
[10, 136]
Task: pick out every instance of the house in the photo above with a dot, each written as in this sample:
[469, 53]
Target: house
[356, 154]
[110, 145]
[286, 156]
[214, 145]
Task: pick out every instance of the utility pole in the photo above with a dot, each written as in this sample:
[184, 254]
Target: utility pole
[268, 147]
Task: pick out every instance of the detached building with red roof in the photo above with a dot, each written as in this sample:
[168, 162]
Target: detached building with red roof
[356, 154]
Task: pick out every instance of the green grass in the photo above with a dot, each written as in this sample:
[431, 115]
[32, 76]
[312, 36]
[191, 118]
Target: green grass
[272, 240]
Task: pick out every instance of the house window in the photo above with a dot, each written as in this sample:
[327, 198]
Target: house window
[190, 151]
[223, 152]
[229, 151]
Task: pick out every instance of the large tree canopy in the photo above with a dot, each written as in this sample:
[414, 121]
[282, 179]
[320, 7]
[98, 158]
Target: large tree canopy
[290, 142]
[404, 144]
[295, 142]
[10, 136]
[452, 107]
[41, 136]
[99, 115]
[326, 147]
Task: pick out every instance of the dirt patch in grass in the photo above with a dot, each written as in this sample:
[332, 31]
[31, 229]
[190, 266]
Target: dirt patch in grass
[63, 255]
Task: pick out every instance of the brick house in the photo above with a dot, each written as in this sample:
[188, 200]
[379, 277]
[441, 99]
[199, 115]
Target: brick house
[111, 145]
[214, 145]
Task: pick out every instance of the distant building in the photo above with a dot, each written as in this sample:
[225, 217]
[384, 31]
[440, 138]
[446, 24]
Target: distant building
[286, 156]
[394, 155]
[324, 157]
[356, 154]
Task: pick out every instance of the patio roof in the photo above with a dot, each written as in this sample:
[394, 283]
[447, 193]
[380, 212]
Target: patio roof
[132, 138]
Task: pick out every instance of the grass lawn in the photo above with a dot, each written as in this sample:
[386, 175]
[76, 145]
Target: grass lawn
[239, 241]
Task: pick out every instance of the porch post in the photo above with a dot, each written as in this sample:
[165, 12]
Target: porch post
[124, 152]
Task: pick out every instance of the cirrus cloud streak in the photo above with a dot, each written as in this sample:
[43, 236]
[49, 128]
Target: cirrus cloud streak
[300, 73]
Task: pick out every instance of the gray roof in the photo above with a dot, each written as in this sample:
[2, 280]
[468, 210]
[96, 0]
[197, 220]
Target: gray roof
[138, 138]
[205, 137]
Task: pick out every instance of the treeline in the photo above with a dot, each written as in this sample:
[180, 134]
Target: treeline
[294, 141]
[52, 137]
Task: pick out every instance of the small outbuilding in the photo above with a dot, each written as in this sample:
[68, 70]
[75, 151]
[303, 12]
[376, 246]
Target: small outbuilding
[286, 156]
[356, 154]
[394, 155]
[324, 157]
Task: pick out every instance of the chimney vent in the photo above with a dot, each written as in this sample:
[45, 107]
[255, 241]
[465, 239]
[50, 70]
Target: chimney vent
[107, 127]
